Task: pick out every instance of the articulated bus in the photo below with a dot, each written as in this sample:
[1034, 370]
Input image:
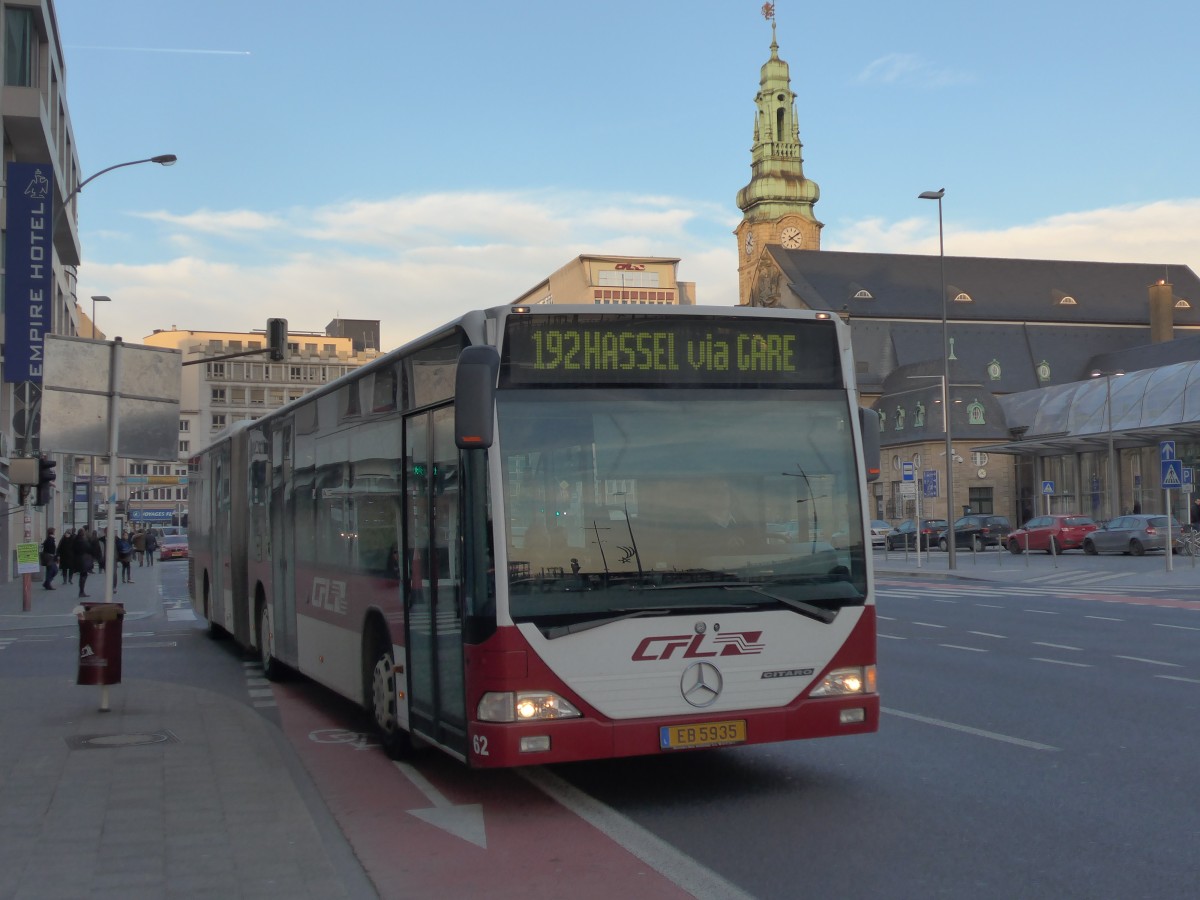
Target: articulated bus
[554, 533]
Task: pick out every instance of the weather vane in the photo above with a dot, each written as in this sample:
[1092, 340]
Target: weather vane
[768, 11]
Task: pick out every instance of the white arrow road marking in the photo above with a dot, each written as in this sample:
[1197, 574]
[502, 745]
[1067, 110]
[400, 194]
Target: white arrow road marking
[464, 822]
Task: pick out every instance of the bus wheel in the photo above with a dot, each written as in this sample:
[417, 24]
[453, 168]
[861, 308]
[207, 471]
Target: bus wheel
[272, 668]
[215, 631]
[382, 703]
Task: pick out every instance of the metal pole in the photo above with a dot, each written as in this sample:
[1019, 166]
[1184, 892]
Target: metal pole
[951, 541]
[1112, 482]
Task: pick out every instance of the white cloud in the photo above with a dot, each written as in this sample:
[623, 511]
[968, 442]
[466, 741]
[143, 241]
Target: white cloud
[416, 262]
[910, 69]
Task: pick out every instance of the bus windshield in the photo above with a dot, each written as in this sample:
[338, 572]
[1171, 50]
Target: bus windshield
[653, 501]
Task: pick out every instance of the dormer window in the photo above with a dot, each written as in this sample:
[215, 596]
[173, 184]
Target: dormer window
[1067, 301]
[864, 295]
[1182, 304]
[963, 297]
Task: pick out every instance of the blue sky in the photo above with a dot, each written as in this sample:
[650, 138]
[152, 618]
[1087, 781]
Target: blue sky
[406, 162]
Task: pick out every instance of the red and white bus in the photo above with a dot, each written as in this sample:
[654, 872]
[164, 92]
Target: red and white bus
[553, 533]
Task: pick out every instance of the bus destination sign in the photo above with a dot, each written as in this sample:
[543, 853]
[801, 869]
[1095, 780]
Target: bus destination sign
[696, 351]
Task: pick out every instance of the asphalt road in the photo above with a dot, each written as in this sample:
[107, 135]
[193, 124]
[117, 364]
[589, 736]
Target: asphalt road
[1033, 745]
[1037, 742]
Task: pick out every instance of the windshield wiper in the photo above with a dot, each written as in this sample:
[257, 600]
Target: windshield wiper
[808, 609]
[557, 631]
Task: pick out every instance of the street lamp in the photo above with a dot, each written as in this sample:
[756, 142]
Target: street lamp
[1112, 484]
[164, 159]
[950, 541]
[100, 298]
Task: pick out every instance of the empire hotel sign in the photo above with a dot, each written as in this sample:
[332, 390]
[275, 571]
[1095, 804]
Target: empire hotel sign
[29, 284]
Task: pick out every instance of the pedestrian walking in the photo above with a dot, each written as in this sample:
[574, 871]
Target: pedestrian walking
[139, 546]
[84, 561]
[151, 546]
[96, 544]
[49, 559]
[66, 556]
[125, 556]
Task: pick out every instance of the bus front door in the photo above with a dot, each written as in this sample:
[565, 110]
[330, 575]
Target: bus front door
[434, 581]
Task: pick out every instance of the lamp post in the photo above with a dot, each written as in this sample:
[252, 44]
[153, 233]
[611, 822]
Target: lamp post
[97, 298]
[1112, 484]
[951, 544]
[163, 159]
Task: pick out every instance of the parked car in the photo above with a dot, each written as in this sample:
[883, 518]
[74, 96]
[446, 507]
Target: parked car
[879, 532]
[1065, 532]
[905, 534]
[976, 532]
[173, 546]
[1131, 534]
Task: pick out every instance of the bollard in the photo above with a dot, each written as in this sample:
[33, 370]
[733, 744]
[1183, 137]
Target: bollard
[100, 646]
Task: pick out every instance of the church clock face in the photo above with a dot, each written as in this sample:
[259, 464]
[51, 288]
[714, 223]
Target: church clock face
[791, 238]
[749, 242]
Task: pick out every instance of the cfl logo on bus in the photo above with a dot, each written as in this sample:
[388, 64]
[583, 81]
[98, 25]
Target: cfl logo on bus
[328, 594]
[694, 646]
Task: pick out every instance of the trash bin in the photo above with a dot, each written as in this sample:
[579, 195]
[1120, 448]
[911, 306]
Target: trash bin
[100, 643]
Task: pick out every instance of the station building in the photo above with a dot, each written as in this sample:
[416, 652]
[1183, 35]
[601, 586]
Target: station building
[1064, 372]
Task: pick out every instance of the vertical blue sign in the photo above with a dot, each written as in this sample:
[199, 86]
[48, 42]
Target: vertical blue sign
[28, 282]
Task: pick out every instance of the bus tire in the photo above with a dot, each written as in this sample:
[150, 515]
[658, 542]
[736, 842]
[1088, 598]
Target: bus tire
[215, 631]
[272, 667]
[380, 696]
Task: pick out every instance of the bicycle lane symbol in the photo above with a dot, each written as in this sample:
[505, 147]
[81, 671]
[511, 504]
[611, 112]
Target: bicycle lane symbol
[357, 739]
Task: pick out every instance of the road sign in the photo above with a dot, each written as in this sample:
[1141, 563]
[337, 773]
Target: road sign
[1166, 450]
[1189, 484]
[1172, 473]
[1048, 488]
[907, 471]
[930, 482]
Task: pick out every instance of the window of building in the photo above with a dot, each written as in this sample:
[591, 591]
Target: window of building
[330, 349]
[185, 446]
[218, 395]
[218, 421]
[258, 396]
[981, 500]
[138, 469]
[215, 370]
[160, 470]
[626, 278]
[185, 425]
[237, 396]
[21, 42]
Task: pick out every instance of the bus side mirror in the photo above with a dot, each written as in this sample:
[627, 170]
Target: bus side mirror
[868, 424]
[475, 397]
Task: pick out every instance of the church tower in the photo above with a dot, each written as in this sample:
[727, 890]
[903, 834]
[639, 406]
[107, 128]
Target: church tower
[777, 204]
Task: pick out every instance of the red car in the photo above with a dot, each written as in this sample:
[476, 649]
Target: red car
[1051, 533]
[173, 546]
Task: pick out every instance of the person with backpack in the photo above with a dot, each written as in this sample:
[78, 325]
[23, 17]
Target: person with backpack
[124, 556]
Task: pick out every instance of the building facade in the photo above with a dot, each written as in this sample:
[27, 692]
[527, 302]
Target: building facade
[217, 393]
[613, 280]
[36, 128]
[1020, 339]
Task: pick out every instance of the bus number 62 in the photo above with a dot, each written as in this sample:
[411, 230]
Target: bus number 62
[479, 743]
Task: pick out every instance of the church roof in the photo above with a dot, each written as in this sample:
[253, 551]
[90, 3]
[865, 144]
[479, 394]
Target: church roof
[893, 285]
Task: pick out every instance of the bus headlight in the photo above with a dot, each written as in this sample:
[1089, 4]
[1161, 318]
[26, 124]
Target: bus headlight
[854, 680]
[524, 706]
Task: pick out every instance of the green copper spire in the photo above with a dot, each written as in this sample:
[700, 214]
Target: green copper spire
[777, 185]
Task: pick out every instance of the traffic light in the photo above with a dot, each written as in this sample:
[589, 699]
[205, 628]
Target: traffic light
[45, 484]
[277, 339]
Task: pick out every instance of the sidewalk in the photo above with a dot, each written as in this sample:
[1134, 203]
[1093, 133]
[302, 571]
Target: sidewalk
[54, 608]
[177, 792]
[1070, 570]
